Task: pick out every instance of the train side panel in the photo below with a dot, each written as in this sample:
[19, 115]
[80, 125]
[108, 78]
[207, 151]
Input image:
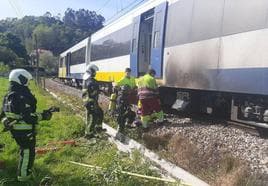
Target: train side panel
[212, 45]
[112, 69]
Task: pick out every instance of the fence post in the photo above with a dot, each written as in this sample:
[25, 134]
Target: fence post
[44, 83]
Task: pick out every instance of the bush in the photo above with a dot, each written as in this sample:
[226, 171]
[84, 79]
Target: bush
[4, 69]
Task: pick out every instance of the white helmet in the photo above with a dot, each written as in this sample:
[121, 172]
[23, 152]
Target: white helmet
[91, 67]
[20, 76]
[90, 70]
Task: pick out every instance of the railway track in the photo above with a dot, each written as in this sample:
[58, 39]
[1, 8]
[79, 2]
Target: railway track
[247, 128]
[220, 136]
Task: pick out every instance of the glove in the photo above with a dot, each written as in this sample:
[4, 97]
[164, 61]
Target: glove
[46, 115]
[8, 124]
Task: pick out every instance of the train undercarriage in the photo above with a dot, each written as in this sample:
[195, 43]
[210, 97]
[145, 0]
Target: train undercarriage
[243, 108]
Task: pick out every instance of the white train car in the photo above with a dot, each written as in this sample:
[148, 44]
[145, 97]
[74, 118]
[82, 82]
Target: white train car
[211, 53]
[72, 62]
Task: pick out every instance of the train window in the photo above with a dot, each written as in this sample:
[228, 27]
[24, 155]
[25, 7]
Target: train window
[79, 56]
[158, 20]
[157, 27]
[156, 40]
[134, 45]
[113, 45]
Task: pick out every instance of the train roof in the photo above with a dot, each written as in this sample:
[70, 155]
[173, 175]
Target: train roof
[126, 19]
[121, 22]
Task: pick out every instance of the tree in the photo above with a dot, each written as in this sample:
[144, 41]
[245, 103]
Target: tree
[45, 36]
[12, 52]
[48, 62]
[52, 33]
[87, 21]
[14, 43]
[7, 56]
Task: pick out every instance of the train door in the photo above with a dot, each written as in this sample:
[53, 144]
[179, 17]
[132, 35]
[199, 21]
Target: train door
[158, 33]
[141, 43]
[68, 64]
[148, 41]
[134, 46]
[145, 40]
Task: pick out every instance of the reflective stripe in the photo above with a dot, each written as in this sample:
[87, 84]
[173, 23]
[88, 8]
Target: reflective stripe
[25, 162]
[12, 115]
[89, 120]
[87, 99]
[38, 115]
[22, 127]
[24, 178]
[4, 120]
[112, 103]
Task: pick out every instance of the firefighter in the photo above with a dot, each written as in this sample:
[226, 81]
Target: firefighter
[94, 114]
[125, 114]
[132, 93]
[20, 118]
[149, 102]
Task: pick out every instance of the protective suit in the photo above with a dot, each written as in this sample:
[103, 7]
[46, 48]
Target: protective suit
[94, 114]
[19, 116]
[149, 102]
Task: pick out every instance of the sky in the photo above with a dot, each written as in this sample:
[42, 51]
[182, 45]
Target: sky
[20, 8]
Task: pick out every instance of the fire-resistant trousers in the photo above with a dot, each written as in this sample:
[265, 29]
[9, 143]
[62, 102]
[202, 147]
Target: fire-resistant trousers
[125, 114]
[150, 109]
[27, 155]
[94, 118]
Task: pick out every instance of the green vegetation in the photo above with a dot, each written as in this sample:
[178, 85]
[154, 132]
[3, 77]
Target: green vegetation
[65, 125]
[3, 68]
[12, 52]
[53, 34]
[48, 62]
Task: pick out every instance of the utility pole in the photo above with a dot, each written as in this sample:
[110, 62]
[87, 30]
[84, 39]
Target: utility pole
[37, 61]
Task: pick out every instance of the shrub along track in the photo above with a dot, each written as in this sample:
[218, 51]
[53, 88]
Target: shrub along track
[217, 153]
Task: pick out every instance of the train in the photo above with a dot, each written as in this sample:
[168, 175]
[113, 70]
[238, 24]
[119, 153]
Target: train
[210, 56]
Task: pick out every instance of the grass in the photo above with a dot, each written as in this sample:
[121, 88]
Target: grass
[223, 170]
[66, 125]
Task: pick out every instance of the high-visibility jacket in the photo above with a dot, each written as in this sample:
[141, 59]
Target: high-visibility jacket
[147, 87]
[132, 92]
[130, 81]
